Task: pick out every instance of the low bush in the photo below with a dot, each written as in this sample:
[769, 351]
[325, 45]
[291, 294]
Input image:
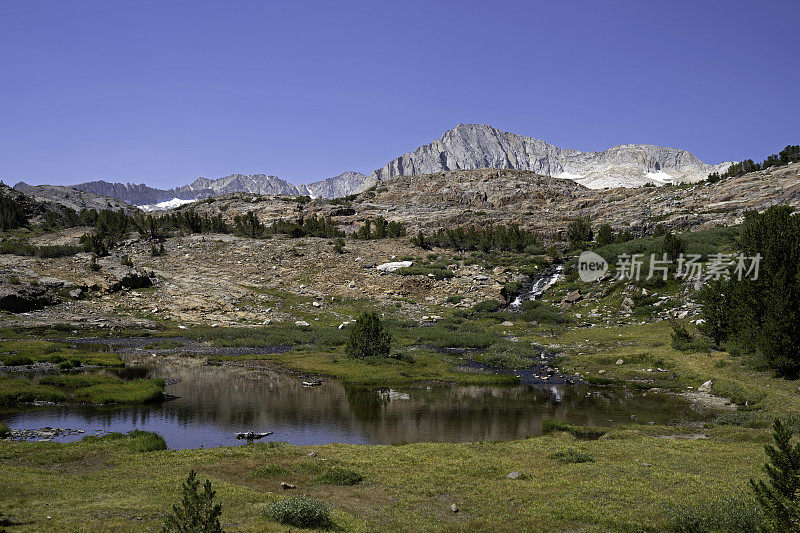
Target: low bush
[580, 432]
[572, 455]
[4, 430]
[300, 511]
[16, 360]
[336, 475]
[544, 313]
[487, 306]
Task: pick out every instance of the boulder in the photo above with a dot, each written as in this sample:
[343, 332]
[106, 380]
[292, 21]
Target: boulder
[394, 265]
[706, 387]
[573, 297]
[23, 298]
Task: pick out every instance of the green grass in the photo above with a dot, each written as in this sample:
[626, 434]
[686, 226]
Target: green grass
[384, 371]
[284, 334]
[37, 351]
[635, 483]
[128, 392]
[83, 388]
[571, 455]
[579, 432]
[19, 390]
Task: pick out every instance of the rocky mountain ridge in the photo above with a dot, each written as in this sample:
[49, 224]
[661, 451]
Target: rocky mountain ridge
[474, 146]
[140, 194]
[465, 147]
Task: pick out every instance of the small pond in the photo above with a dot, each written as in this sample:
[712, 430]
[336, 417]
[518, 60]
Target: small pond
[215, 402]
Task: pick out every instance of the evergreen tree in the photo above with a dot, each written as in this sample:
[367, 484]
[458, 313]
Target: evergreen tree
[715, 299]
[672, 246]
[579, 232]
[780, 499]
[368, 337]
[605, 235]
[197, 512]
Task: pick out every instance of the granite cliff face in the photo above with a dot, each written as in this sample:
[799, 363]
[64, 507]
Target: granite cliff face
[342, 185]
[473, 146]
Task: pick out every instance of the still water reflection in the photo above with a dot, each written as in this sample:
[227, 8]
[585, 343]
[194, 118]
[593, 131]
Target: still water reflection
[216, 402]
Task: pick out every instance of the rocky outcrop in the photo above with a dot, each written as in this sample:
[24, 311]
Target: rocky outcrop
[474, 146]
[344, 184]
[21, 298]
[73, 198]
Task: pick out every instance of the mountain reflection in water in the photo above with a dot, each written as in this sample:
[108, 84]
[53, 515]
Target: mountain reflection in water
[216, 402]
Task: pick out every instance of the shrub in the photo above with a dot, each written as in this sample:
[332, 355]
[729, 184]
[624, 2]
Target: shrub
[4, 430]
[572, 455]
[17, 360]
[368, 337]
[686, 342]
[146, 441]
[339, 476]
[487, 306]
[300, 511]
[338, 245]
[538, 311]
[197, 511]
[579, 432]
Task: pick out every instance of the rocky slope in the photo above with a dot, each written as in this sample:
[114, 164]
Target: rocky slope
[473, 146]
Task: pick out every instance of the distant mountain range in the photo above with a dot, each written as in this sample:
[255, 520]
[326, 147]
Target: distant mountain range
[473, 146]
[467, 146]
[142, 195]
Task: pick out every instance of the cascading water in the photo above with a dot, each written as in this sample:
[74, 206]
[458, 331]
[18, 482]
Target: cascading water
[541, 283]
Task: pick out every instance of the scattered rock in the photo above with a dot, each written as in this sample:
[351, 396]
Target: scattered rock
[573, 297]
[620, 362]
[454, 508]
[287, 486]
[513, 475]
[705, 387]
[507, 323]
[301, 323]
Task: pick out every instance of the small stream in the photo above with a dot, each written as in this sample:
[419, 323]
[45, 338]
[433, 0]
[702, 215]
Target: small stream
[539, 284]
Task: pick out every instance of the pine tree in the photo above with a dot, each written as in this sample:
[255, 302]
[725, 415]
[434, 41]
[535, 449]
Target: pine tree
[197, 512]
[368, 337]
[605, 235]
[780, 499]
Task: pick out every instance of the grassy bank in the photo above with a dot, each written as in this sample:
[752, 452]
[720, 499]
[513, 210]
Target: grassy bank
[627, 480]
[81, 388]
[30, 350]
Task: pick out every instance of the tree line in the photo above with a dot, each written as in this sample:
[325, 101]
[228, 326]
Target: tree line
[790, 154]
[758, 317]
[493, 237]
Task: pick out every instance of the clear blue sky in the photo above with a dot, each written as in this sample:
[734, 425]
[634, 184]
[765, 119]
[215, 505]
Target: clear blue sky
[162, 92]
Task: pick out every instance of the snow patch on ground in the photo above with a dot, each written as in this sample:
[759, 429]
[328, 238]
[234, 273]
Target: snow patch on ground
[660, 177]
[168, 204]
[568, 176]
